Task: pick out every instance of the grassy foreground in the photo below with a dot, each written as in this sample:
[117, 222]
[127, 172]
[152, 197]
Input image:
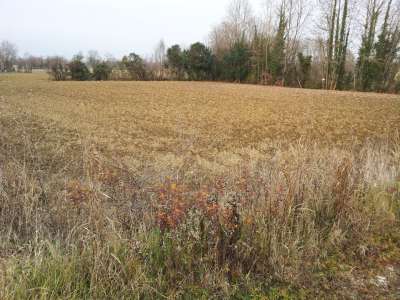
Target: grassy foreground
[303, 219]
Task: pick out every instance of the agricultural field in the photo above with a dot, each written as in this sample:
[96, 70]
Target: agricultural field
[197, 190]
[214, 121]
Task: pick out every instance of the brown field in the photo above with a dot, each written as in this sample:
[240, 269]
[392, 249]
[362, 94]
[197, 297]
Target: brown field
[214, 121]
[196, 190]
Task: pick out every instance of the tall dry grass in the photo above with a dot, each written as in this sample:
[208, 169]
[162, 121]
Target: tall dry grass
[76, 224]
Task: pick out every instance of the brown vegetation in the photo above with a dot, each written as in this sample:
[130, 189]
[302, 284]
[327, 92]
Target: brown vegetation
[197, 190]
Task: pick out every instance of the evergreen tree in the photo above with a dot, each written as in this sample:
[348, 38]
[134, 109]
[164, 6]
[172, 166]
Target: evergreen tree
[101, 71]
[365, 65]
[259, 54]
[78, 69]
[277, 58]
[176, 61]
[341, 49]
[237, 64]
[386, 51]
[382, 51]
[304, 68]
[198, 62]
[135, 66]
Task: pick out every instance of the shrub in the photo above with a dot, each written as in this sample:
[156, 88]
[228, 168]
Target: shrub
[102, 71]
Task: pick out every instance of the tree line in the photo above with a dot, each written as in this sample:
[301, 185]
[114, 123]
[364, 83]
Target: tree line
[329, 44]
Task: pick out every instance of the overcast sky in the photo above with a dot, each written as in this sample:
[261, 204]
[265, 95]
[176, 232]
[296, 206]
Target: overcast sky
[64, 27]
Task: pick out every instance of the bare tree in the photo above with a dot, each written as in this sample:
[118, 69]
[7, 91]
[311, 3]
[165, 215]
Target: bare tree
[25, 63]
[241, 19]
[238, 24]
[57, 68]
[159, 59]
[8, 56]
[335, 23]
[93, 58]
[297, 12]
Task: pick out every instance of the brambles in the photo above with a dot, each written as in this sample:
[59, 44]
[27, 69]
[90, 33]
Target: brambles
[172, 206]
[114, 190]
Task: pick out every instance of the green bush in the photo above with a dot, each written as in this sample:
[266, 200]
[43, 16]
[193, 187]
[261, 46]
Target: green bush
[78, 69]
[101, 71]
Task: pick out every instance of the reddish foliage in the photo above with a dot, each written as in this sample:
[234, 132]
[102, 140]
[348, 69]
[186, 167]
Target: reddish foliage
[77, 193]
[172, 206]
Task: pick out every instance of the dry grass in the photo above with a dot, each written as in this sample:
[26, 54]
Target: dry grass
[196, 190]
